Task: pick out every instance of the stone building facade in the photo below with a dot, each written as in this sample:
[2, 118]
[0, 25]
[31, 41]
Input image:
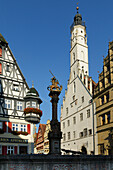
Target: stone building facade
[103, 97]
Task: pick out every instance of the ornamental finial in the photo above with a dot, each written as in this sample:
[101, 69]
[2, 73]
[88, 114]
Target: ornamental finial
[77, 8]
[32, 83]
[55, 84]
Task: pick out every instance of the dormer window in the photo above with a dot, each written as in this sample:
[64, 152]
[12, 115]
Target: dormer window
[15, 87]
[7, 68]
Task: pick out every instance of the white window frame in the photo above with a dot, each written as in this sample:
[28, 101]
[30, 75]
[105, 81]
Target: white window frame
[10, 150]
[34, 104]
[14, 127]
[19, 105]
[23, 128]
[7, 104]
[27, 104]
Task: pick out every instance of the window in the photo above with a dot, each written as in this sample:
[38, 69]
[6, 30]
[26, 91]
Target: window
[0, 51]
[0, 149]
[108, 118]
[107, 97]
[1, 126]
[15, 87]
[76, 102]
[103, 119]
[0, 68]
[85, 132]
[74, 97]
[34, 104]
[64, 137]
[28, 104]
[67, 111]
[102, 149]
[74, 74]
[74, 120]
[19, 105]
[74, 134]
[90, 131]
[7, 68]
[23, 128]
[74, 87]
[10, 150]
[73, 57]
[7, 104]
[88, 113]
[82, 99]
[63, 125]
[81, 134]
[68, 122]
[102, 100]
[14, 127]
[68, 135]
[81, 116]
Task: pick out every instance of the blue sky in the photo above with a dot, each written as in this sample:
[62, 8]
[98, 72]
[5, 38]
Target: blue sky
[38, 33]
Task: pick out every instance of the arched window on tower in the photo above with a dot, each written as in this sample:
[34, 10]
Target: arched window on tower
[74, 57]
[73, 74]
[0, 68]
[74, 87]
[0, 51]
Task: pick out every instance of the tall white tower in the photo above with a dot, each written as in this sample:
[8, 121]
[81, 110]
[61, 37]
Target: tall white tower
[77, 111]
[79, 47]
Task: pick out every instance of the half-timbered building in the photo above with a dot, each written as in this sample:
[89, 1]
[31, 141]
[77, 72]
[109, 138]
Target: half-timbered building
[16, 134]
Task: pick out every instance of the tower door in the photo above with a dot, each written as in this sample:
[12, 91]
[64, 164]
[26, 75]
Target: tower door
[23, 150]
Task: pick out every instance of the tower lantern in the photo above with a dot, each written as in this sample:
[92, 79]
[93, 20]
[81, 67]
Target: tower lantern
[32, 106]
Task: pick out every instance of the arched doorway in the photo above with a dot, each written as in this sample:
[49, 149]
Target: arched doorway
[84, 150]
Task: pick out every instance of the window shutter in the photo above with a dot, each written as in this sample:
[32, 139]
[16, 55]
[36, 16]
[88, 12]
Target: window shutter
[4, 126]
[4, 150]
[15, 150]
[0, 68]
[9, 127]
[28, 128]
[0, 52]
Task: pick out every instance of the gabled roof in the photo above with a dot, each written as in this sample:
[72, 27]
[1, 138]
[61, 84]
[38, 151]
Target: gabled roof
[4, 42]
[2, 39]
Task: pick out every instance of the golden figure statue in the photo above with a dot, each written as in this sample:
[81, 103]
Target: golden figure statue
[55, 84]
